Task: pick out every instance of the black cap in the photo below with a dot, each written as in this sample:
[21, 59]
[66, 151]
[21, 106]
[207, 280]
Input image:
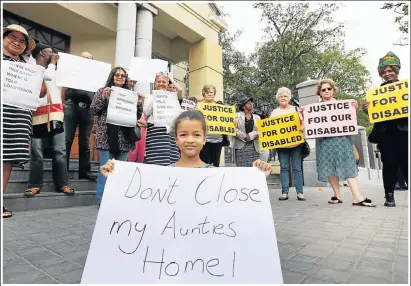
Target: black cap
[39, 47]
[244, 102]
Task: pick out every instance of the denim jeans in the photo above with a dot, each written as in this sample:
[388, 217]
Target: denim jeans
[57, 142]
[296, 156]
[105, 155]
[74, 116]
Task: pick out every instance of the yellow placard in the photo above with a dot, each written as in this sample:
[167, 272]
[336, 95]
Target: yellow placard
[388, 102]
[280, 131]
[220, 118]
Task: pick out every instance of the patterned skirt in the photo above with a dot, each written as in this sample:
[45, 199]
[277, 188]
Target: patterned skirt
[161, 147]
[335, 157]
[245, 156]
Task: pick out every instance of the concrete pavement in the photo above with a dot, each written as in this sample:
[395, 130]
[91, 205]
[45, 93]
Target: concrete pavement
[318, 243]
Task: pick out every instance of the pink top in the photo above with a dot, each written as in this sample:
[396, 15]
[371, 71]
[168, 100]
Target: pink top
[279, 111]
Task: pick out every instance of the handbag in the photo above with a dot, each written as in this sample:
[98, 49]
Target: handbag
[306, 149]
[48, 119]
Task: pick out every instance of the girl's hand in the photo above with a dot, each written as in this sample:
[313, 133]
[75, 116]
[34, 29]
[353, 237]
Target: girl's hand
[263, 166]
[355, 104]
[106, 92]
[142, 123]
[107, 168]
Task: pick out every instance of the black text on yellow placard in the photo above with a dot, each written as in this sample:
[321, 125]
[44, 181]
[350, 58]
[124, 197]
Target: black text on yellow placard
[280, 131]
[388, 102]
[219, 118]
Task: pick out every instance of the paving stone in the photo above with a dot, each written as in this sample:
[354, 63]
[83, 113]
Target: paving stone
[57, 269]
[363, 279]
[400, 278]
[345, 254]
[311, 280]
[71, 277]
[378, 255]
[20, 273]
[290, 277]
[332, 275]
[45, 280]
[43, 259]
[401, 264]
[332, 263]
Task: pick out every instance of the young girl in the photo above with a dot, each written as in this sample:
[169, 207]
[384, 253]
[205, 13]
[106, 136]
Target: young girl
[190, 132]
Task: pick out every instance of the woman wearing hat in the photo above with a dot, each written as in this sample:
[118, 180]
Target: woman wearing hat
[391, 136]
[246, 141]
[16, 121]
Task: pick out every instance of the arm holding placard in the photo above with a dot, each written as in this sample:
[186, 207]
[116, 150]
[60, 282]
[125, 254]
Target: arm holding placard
[148, 106]
[99, 103]
[365, 106]
[43, 90]
[254, 134]
[180, 91]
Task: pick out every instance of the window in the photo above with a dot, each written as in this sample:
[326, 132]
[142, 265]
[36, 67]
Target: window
[40, 33]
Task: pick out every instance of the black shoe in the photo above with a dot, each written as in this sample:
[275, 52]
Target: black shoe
[389, 200]
[89, 176]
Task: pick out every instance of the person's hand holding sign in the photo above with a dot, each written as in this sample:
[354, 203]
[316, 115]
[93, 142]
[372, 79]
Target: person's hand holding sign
[365, 106]
[106, 92]
[107, 168]
[355, 104]
[54, 58]
[263, 166]
[142, 123]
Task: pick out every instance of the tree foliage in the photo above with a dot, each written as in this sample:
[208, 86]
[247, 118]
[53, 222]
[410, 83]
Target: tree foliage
[402, 19]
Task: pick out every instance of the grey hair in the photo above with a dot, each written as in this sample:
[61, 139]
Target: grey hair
[282, 90]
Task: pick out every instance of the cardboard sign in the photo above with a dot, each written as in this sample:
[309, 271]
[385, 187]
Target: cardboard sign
[81, 73]
[22, 84]
[188, 105]
[145, 70]
[330, 119]
[220, 118]
[166, 107]
[280, 131]
[122, 107]
[388, 102]
[163, 225]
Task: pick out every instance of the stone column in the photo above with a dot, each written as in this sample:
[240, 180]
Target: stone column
[144, 39]
[307, 95]
[126, 30]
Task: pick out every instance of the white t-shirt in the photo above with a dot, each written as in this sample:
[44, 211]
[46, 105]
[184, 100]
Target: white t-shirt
[55, 91]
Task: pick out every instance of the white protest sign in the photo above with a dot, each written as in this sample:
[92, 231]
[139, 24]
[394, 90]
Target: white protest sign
[145, 70]
[22, 84]
[166, 107]
[330, 119]
[81, 73]
[188, 105]
[122, 107]
[161, 224]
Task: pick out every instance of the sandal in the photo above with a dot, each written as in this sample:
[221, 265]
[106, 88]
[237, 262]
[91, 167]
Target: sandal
[335, 200]
[283, 198]
[7, 213]
[365, 203]
[31, 192]
[67, 190]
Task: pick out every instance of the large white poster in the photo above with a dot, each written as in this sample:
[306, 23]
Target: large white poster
[166, 107]
[22, 84]
[81, 73]
[161, 224]
[145, 70]
[122, 107]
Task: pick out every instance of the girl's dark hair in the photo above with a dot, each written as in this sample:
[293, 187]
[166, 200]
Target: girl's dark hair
[110, 79]
[190, 115]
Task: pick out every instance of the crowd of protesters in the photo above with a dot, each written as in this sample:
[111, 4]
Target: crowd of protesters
[165, 145]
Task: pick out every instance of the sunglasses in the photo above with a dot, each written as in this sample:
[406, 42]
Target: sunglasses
[120, 75]
[326, 89]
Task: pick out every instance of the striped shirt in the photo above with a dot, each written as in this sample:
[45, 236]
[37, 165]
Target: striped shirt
[16, 129]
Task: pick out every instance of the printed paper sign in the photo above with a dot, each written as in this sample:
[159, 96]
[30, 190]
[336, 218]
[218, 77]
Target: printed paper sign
[280, 131]
[220, 118]
[145, 70]
[330, 119]
[81, 73]
[388, 102]
[188, 105]
[22, 84]
[163, 225]
[166, 107]
[122, 107]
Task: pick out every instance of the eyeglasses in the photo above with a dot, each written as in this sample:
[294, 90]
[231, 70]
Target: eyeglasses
[326, 89]
[13, 39]
[120, 75]
[162, 73]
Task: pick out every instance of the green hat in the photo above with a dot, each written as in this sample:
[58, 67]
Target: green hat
[390, 59]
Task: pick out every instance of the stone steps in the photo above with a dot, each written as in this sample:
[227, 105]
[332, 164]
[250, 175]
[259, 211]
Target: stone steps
[20, 185]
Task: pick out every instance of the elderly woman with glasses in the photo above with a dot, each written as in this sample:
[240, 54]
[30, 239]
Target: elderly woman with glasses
[112, 141]
[161, 147]
[335, 156]
[17, 122]
[293, 153]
